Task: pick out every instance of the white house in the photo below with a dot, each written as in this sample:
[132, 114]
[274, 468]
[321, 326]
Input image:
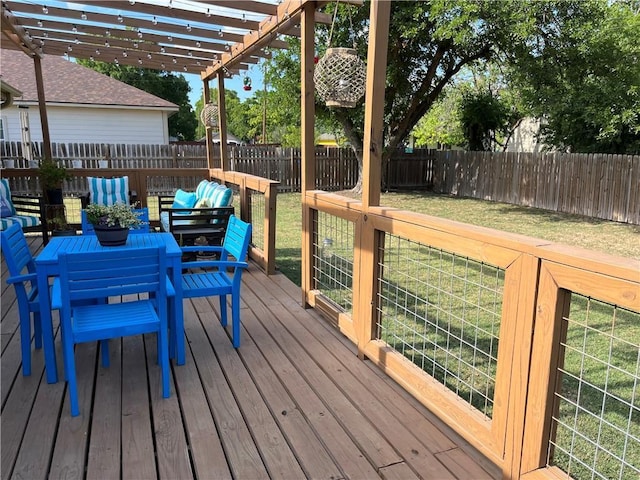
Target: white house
[524, 138]
[82, 105]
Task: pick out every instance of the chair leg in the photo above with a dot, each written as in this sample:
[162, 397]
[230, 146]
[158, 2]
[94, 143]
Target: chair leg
[172, 328]
[163, 359]
[37, 329]
[235, 319]
[25, 340]
[104, 353]
[223, 310]
[70, 374]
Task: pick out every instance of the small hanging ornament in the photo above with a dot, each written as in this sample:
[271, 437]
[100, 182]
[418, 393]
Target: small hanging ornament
[340, 75]
[209, 115]
[247, 83]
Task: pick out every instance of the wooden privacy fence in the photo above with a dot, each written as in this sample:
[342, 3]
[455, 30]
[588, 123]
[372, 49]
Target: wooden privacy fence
[336, 168]
[594, 185]
[99, 155]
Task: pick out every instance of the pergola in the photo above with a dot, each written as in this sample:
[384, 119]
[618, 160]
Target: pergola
[213, 38]
[216, 38]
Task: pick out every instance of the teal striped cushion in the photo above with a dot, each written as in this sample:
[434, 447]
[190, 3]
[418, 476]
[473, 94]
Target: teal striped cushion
[108, 191]
[5, 193]
[223, 197]
[24, 220]
[202, 186]
[209, 192]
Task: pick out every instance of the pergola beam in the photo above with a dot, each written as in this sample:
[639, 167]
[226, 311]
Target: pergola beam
[286, 17]
[16, 33]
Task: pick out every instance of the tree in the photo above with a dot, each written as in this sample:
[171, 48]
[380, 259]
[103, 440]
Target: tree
[441, 124]
[166, 85]
[583, 80]
[236, 114]
[429, 44]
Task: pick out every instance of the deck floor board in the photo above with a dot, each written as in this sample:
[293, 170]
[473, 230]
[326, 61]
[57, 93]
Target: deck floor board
[292, 402]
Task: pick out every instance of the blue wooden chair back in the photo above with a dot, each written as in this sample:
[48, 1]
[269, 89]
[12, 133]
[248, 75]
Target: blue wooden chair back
[87, 227]
[226, 278]
[236, 239]
[22, 275]
[119, 272]
[112, 273]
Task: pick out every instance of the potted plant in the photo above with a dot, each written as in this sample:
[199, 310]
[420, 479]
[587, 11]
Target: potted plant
[57, 220]
[52, 176]
[112, 223]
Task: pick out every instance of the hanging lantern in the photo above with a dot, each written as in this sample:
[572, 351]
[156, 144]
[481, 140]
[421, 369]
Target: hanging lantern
[340, 77]
[247, 83]
[209, 115]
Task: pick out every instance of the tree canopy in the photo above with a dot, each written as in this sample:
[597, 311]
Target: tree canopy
[429, 44]
[550, 51]
[581, 76]
[168, 86]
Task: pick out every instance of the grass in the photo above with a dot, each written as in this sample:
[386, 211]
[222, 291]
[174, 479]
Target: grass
[593, 234]
[442, 312]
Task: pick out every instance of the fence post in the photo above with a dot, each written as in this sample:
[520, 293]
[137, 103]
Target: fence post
[270, 228]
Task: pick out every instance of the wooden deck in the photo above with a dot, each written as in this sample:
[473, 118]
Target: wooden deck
[292, 402]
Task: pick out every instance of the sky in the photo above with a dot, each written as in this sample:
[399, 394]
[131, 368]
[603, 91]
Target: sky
[233, 83]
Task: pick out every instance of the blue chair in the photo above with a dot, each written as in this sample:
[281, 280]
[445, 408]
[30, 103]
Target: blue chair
[87, 227]
[22, 275]
[126, 273]
[226, 276]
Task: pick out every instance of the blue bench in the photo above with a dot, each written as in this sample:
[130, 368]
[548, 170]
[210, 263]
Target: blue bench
[26, 210]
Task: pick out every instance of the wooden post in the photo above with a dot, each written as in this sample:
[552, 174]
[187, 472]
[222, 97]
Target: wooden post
[206, 93]
[270, 228]
[307, 97]
[366, 248]
[222, 123]
[44, 121]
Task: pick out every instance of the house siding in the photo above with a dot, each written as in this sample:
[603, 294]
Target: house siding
[91, 125]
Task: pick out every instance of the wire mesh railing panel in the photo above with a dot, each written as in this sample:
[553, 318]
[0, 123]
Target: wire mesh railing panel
[442, 312]
[596, 421]
[333, 246]
[257, 200]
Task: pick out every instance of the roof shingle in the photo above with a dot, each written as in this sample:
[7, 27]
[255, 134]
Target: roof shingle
[68, 82]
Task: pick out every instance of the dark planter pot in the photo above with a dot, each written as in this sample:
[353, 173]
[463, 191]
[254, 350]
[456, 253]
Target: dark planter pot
[54, 196]
[111, 236]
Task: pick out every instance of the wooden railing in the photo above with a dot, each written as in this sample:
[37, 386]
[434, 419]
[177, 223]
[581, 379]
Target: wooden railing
[149, 183]
[486, 329]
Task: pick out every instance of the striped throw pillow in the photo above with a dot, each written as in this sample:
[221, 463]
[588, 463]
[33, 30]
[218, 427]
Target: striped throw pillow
[108, 191]
[5, 199]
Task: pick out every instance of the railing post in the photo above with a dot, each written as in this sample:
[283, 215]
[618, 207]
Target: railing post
[270, 228]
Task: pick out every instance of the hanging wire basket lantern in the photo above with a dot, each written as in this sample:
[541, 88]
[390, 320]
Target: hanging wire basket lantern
[209, 116]
[340, 77]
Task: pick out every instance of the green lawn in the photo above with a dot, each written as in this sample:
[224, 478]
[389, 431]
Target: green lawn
[599, 235]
